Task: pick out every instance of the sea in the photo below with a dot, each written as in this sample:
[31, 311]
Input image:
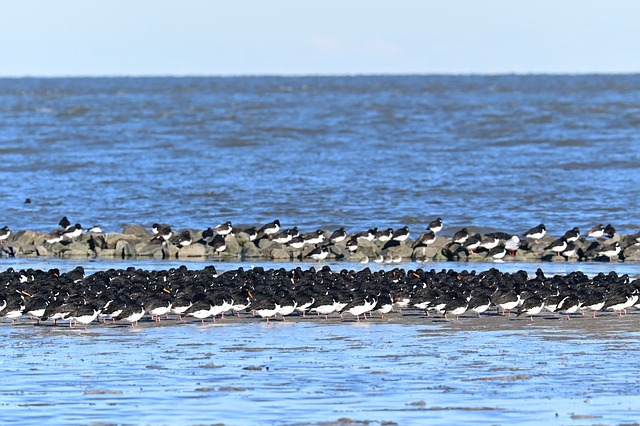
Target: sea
[493, 152]
[502, 153]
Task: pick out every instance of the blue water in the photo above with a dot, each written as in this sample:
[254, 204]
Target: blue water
[497, 152]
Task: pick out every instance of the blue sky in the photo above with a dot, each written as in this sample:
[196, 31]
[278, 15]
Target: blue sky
[293, 37]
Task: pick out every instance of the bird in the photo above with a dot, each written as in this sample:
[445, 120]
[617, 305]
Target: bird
[473, 242]
[223, 229]
[132, 313]
[352, 244]
[401, 234]
[610, 251]
[570, 250]
[95, 229]
[461, 236]
[558, 246]
[489, 241]
[435, 226]
[512, 245]
[314, 238]
[425, 239]
[384, 236]
[218, 243]
[184, 239]
[64, 223]
[596, 232]
[536, 233]
[319, 253]
[571, 235]
[4, 233]
[270, 229]
[163, 231]
[73, 232]
[609, 231]
[531, 306]
[338, 236]
[497, 252]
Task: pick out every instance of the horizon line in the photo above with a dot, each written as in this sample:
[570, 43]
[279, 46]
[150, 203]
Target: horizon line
[323, 75]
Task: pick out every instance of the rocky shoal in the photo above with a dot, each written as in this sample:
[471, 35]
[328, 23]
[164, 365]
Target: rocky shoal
[137, 242]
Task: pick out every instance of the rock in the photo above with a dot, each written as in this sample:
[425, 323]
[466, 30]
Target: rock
[42, 251]
[632, 253]
[107, 253]
[279, 254]
[113, 238]
[193, 250]
[124, 249]
[75, 250]
[233, 247]
[264, 243]
[399, 250]
[250, 251]
[137, 230]
[150, 250]
[28, 237]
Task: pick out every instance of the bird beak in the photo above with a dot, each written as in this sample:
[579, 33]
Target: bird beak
[25, 293]
[165, 290]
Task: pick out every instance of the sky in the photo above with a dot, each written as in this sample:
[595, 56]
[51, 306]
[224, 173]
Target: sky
[322, 37]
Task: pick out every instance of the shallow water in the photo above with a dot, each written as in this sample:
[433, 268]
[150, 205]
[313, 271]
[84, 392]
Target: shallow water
[497, 152]
[408, 371]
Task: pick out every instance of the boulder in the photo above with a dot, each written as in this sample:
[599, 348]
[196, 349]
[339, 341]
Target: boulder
[112, 239]
[279, 254]
[28, 237]
[124, 249]
[75, 250]
[193, 250]
[137, 230]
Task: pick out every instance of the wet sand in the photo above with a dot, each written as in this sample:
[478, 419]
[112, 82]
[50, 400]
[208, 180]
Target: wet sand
[405, 369]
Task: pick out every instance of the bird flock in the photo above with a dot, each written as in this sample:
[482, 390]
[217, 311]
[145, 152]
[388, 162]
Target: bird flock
[376, 245]
[127, 296]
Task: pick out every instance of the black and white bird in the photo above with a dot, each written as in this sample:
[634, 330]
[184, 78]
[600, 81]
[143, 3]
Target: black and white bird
[570, 250]
[536, 233]
[461, 236]
[270, 229]
[425, 239]
[435, 226]
[401, 234]
[162, 231]
[338, 236]
[64, 223]
[489, 241]
[596, 232]
[318, 253]
[314, 238]
[609, 231]
[531, 306]
[4, 233]
[73, 232]
[497, 252]
[558, 246]
[218, 243]
[184, 239]
[610, 251]
[352, 244]
[384, 235]
[224, 228]
[571, 235]
[369, 235]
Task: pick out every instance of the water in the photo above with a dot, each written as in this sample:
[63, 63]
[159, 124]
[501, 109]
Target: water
[420, 371]
[497, 152]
